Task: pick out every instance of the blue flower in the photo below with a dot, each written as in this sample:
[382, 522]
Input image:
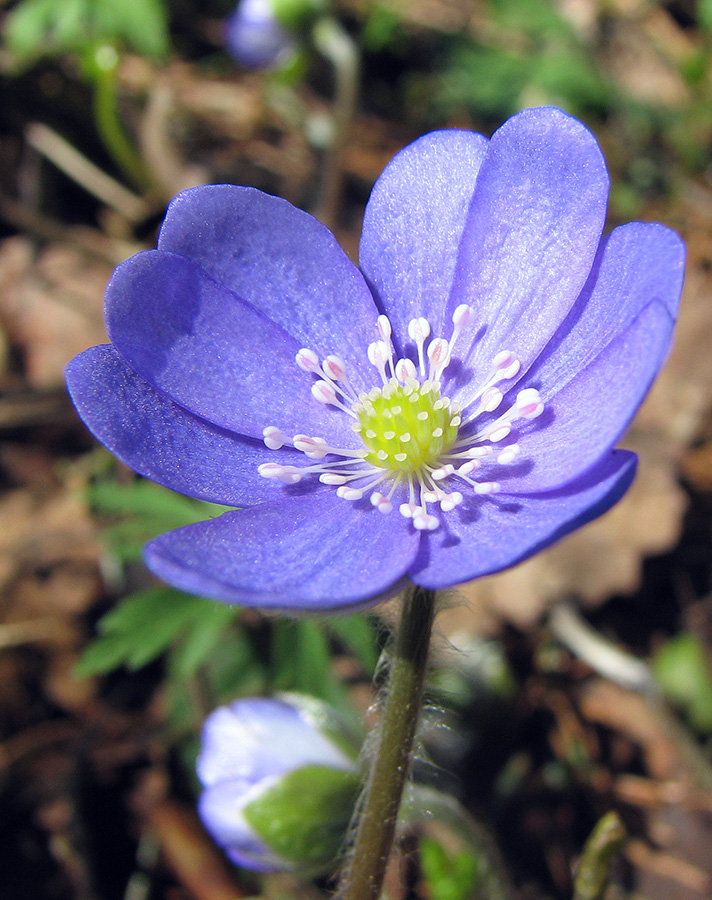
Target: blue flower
[441, 413]
[254, 36]
[269, 763]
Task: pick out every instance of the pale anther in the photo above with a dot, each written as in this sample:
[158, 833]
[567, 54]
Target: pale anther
[382, 504]
[451, 501]
[324, 392]
[528, 403]
[328, 478]
[508, 454]
[463, 315]
[425, 522]
[335, 368]
[307, 360]
[405, 369]
[486, 487]
[506, 365]
[499, 433]
[347, 493]
[273, 438]
[384, 327]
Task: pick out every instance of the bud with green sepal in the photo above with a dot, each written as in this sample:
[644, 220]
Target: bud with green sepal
[280, 782]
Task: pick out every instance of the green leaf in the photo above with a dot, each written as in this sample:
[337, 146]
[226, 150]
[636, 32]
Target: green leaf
[305, 815]
[301, 659]
[144, 498]
[359, 634]
[449, 875]
[140, 628]
[682, 669]
[202, 639]
[37, 28]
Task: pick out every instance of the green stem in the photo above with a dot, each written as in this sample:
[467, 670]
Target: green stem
[108, 122]
[604, 844]
[375, 830]
[336, 45]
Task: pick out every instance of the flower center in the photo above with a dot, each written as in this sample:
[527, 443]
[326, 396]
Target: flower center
[416, 444]
[406, 427]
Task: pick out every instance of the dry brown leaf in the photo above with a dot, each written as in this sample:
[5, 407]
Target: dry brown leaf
[50, 306]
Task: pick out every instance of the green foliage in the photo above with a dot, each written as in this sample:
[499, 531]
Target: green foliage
[304, 816]
[211, 654]
[449, 875]
[144, 625]
[36, 28]
[142, 511]
[529, 55]
[682, 669]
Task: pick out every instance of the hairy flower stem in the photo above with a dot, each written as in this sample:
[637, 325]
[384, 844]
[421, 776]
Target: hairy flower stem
[366, 868]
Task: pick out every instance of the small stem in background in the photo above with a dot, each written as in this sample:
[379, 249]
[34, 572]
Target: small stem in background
[594, 867]
[76, 166]
[630, 673]
[336, 45]
[378, 815]
[108, 121]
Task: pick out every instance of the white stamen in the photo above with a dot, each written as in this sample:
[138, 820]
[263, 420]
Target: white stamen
[378, 355]
[491, 399]
[307, 360]
[387, 423]
[329, 478]
[324, 392]
[335, 368]
[463, 315]
[508, 454]
[439, 357]
[382, 504]
[405, 370]
[499, 433]
[286, 474]
[419, 330]
[384, 328]
[506, 365]
[425, 522]
[347, 493]
[273, 438]
[313, 447]
[528, 403]
[450, 501]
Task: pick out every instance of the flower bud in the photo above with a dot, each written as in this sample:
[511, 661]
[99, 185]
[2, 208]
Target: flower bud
[255, 37]
[279, 783]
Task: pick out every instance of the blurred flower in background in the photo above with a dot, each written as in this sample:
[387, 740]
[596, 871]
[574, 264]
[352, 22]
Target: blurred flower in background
[279, 782]
[255, 37]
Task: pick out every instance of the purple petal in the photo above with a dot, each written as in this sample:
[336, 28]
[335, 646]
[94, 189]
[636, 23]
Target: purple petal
[259, 738]
[413, 225]
[163, 442]
[220, 808]
[636, 264]
[282, 261]
[532, 232]
[317, 552]
[211, 352]
[499, 532]
[589, 414]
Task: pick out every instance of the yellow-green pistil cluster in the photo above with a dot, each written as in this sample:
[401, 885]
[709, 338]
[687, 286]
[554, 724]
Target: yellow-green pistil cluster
[406, 427]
